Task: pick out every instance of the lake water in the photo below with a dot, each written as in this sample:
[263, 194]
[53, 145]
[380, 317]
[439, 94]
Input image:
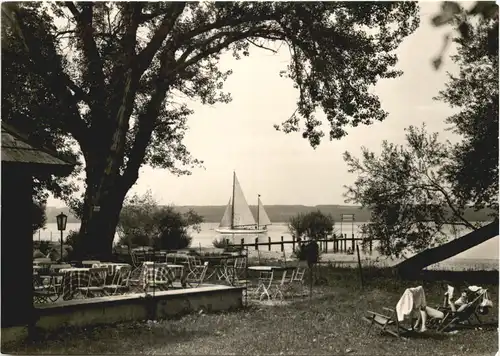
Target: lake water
[487, 252]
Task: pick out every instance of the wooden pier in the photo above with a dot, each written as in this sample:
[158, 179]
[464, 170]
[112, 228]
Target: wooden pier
[335, 244]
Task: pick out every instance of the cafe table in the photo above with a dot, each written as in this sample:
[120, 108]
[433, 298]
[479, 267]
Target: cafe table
[161, 273]
[220, 267]
[73, 278]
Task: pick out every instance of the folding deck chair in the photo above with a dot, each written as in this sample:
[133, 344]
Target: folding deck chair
[408, 304]
[386, 323]
[464, 313]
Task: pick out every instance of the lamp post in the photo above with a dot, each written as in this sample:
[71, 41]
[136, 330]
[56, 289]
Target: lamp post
[62, 219]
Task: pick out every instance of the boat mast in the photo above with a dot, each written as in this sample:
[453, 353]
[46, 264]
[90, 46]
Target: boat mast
[258, 207]
[232, 201]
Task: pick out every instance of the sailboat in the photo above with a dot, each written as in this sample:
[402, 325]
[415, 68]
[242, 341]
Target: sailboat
[238, 219]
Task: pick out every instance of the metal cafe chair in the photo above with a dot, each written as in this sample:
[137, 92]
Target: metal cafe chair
[45, 292]
[196, 274]
[96, 281]
[120, 282]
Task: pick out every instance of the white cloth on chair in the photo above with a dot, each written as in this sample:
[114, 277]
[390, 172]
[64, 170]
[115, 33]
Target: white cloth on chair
[474, 289]
[450, 291]
[412, 301]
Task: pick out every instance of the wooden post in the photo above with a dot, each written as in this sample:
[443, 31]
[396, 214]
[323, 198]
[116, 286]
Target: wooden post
[293, 243]
[360, 268]
[242, 242]
[310, 282]
[256, 243]
[269, 243]
[326, 245]
[335, 244]
[371, 245]
[246, 275]
[345, 242]
[282, 245]
[352, 240]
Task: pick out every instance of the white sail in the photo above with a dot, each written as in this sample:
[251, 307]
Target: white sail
[242, 215]
[226, 218]
[263, 218]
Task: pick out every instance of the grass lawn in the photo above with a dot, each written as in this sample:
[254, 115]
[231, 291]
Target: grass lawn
[330, 324]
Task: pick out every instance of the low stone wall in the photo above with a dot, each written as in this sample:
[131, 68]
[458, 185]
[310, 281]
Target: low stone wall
[132, 307]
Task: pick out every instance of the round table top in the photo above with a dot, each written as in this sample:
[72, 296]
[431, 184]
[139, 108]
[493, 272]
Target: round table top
[74, 269]
[271, 268]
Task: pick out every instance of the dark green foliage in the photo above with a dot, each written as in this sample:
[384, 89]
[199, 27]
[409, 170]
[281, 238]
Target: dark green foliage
[174, 227]
[225, 244]
[74, 241]
[473, 170]
[313, 225]
[38, 254]
[300, 252]
[131, 60]
[43, 246]
[30, 104]
[144, 223]
[38, 217]
[222, 242]
[405, 188]
[452, 13]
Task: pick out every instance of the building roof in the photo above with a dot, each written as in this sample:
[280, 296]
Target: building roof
[17, 148]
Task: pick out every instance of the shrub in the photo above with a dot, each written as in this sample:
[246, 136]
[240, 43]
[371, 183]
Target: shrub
[305, 249]
[144, 223]
[222, 242]
[43, 246]
[38, 254]
[38, 216]
[73, 245]
[313, 225]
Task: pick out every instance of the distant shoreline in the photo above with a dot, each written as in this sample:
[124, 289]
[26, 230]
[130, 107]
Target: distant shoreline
[276, 213]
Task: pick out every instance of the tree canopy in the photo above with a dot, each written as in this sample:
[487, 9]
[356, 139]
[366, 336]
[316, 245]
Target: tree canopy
[406, 192]
[410, 187]
[121, 69]
[462, 20]
[474, 92]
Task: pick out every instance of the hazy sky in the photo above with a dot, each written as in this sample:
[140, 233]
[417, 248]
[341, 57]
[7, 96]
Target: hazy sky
[285, 169]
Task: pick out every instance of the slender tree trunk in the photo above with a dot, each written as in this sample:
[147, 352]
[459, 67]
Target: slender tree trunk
[440, 253]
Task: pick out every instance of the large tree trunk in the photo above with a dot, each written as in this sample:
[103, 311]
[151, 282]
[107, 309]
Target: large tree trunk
[98, 228]
[103, 202]
[440, 253]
